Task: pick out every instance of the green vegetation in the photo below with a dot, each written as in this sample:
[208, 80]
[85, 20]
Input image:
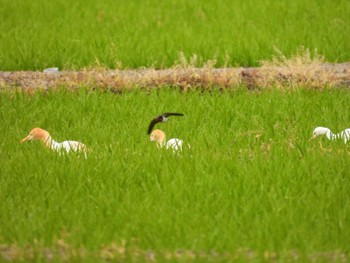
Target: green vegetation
[252, 187]
[252, 179]
[152, 33]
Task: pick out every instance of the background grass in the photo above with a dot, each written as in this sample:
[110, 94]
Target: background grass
[152, 33]
[251, 180]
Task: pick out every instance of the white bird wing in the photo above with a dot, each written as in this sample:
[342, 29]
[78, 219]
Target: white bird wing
[56, 146]
[73, 146]
[175, 144]
[346, 135]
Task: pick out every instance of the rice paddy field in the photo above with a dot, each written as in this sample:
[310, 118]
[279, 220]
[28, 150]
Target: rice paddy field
[251, 184]
[251, 187]
[133, 34]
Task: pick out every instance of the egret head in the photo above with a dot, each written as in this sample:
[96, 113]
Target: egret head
[157, 135]
[319, 131]
[36, 134]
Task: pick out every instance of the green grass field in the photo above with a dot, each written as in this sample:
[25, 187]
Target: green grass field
[152, 33]
[253, 187]
[252, 181]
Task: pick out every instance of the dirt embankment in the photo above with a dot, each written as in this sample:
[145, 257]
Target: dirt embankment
[285, 76]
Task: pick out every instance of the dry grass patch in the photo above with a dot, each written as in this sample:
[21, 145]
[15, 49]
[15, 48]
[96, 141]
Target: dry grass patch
[301, 70]
[120, 252]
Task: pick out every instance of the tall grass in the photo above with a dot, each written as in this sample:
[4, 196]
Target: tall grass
[252, 181]
[132, 34]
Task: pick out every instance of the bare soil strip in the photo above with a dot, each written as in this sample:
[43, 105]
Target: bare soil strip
[285, 76]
